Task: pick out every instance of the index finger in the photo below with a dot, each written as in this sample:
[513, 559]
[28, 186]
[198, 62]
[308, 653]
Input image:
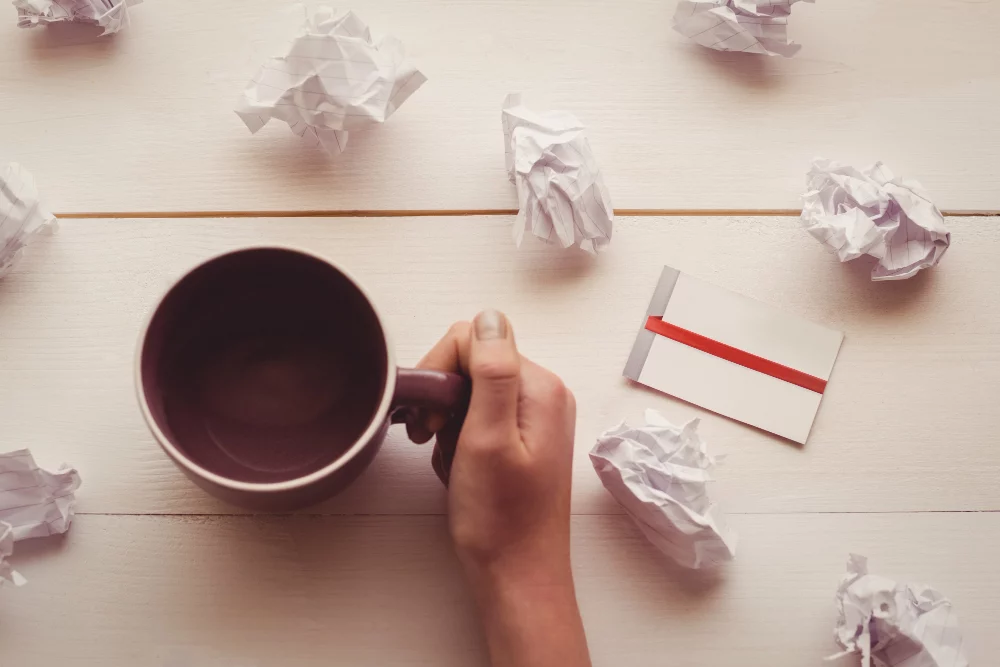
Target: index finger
[451, 353]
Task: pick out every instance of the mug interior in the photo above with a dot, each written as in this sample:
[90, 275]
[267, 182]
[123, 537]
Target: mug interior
[264, 365]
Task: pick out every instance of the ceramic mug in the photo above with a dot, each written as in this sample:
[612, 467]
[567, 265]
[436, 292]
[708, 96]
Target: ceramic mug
[266, 374]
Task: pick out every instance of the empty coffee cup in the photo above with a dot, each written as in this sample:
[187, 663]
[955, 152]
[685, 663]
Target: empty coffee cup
[267, 376]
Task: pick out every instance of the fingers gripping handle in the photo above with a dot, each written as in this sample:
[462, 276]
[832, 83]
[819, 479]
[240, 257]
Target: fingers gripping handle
[433, 390]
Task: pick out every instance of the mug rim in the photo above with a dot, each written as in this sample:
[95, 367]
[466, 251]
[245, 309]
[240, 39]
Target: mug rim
[363, 440]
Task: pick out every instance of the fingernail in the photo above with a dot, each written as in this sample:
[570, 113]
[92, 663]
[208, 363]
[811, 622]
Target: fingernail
[491, 324]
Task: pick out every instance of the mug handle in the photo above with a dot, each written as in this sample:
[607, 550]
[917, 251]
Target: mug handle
[435, 390]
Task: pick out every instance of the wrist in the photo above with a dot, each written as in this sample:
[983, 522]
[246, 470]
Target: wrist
[534, 561]
[518, 575]
[518, 587]
[530, 613]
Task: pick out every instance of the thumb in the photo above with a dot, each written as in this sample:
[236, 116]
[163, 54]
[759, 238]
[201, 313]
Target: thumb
[495, 369]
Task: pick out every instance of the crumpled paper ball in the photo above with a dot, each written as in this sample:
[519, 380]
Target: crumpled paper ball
[872, 212]
[334, 79]
[895, 625]
[742, 26]
[659, 474]
[112, 15]
[7, 573]
[22, 216]
[561, 195]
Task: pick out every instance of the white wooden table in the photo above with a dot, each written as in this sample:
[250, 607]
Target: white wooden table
[704, 154]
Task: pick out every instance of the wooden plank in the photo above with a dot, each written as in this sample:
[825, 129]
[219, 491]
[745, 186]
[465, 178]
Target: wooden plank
[908, 422]
[144, 121]
[260, 592]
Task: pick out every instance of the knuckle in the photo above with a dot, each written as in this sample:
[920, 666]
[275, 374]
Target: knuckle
[485, 442]
[554, 391]
[496, 367]
[459, 329]
[481, 433]
[570, 401]
[525, 467]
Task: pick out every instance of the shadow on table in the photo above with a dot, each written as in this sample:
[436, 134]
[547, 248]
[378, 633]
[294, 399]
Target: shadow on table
[275, 153]
[887, 297]
[38, 549]
[278, 154]
[548, 266]
[655, 576]
[748, 70]
[39, 251]
[48, 39]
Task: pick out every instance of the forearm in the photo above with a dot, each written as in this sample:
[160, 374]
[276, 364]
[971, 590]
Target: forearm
[531, 618]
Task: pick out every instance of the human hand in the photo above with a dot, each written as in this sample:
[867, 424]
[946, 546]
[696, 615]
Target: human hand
[509, 482]
[509, 492]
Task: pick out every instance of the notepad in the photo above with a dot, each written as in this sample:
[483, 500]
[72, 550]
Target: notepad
[733, 355]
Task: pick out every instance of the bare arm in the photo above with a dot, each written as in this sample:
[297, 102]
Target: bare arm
[509, 494]
[532, 620]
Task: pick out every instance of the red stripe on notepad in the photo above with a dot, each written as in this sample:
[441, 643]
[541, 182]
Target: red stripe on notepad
[735, 355]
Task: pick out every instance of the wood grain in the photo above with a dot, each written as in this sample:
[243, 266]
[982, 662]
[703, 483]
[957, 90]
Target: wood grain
[374, 591]
[909, 420]
[143, 121]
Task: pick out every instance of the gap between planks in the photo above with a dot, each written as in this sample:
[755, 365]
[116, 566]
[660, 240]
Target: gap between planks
[425, 213]
[590, 514]
[418, 213]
